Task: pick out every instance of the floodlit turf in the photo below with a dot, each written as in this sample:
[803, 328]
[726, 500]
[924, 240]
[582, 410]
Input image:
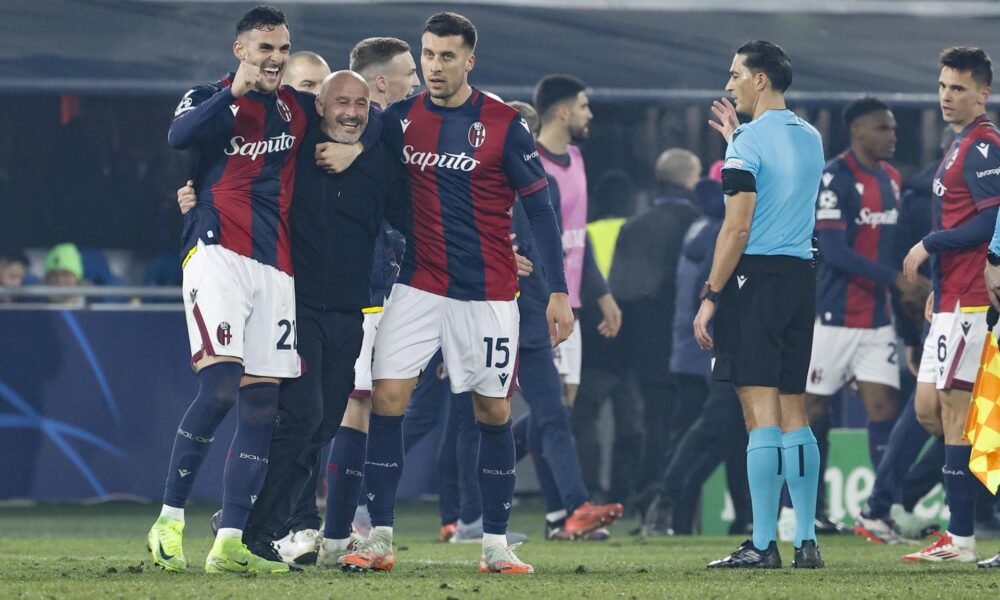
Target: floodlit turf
[99, 552]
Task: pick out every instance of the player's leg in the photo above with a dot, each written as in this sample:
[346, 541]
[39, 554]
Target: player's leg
[407, 338]
[270, 356]
[211, 299]
[958, 338]
[876, 368]
[346, 462]
[539, 382]
[446, 464]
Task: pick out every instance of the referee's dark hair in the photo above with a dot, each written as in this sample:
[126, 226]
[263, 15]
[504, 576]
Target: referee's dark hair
[375, 52]
[768, 58]
[260, 17]
[555, 89]
[444, 24]
[972, 60]
[861, 107]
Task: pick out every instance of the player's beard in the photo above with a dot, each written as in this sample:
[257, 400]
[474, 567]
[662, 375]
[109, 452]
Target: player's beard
[579, 135]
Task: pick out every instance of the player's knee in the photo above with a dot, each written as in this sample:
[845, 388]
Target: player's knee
[219, 384]
[259, 403]
[929, 418]
[492, 411]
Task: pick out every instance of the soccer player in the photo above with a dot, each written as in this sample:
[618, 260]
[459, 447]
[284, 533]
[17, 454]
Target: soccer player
[763, 282]
[239, 293]
[466, 156]
[305, 71]
[857, 209]
[564, 109]
[966, 197]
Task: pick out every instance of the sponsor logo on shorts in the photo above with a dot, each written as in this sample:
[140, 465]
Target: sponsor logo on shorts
[477, 134]
[194, 294]
[740, 280]
[816, 376]
[503, 378]
[966, 326]
[224, 333]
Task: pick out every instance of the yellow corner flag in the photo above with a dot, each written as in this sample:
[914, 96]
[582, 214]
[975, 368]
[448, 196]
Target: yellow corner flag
[982, 426]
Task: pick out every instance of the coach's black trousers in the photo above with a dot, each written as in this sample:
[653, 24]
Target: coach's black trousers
[310, 409]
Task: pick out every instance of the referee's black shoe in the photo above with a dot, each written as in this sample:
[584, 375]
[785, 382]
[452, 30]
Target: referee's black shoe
[749, 557]
[807, 556]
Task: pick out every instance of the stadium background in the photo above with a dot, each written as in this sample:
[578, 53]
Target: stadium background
[86, 93]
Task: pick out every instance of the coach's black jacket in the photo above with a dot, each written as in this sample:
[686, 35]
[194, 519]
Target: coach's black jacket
[335, 219]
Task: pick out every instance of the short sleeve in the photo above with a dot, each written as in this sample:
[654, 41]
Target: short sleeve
[981, 169]
[833, 199]
[520, 159]
[743, 154]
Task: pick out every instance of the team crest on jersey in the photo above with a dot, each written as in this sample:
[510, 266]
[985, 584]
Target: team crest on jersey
[951, 159]
[477, 134]
[224, 333]
[816, 376]
[284, 111]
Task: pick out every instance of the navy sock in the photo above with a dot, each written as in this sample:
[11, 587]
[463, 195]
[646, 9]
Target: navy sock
[960, 489]
[496, 475]
[801, 473]
[344, 478]
[878, 439]
[467, 449]
[765, 474]
[383, 467]
[218, 385]
[246, 463]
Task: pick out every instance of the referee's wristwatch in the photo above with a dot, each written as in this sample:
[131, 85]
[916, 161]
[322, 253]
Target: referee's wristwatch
[993, 259]
[708, 294]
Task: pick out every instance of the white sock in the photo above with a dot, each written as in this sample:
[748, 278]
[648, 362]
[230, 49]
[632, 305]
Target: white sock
[331, 545]
[229, 533]
[494, 539]
[172, 512]
[558, 515]
[963, 541]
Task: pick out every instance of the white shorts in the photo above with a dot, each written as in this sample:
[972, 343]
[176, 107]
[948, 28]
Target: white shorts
[840, 354]
[569, 356]
[363, 366]
[236, 306]
[478, 339]
[952, 349]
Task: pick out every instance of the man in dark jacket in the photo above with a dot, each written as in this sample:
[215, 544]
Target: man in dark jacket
[643, 278]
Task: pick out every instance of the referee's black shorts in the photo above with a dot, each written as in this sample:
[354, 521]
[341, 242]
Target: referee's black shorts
[764, 323]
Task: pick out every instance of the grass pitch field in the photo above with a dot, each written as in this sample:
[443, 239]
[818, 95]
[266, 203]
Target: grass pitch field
[99, 552]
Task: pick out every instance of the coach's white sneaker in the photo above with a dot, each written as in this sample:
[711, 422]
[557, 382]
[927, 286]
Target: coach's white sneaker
[947, 548]
[878, 530]
[299, 547]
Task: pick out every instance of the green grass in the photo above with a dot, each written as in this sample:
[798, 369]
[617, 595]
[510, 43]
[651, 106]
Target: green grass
[99, 552]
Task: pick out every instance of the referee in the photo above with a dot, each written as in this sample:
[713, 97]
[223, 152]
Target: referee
[763, 285]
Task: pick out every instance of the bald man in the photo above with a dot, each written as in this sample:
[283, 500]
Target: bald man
[305, 71]
[334, 220]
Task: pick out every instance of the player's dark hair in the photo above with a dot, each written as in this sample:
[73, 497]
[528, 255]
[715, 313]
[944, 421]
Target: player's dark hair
[528, 113]
[444, 24]
[768, 58]
[376, 52]
[555, 89]
[861, 107]
[972, 60]
[260, 17]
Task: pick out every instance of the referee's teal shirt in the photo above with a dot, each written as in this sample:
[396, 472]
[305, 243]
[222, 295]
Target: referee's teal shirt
[785, 156]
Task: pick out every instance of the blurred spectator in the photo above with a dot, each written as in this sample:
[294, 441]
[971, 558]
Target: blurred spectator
[643, 277]
[13, 268]
[64, 268]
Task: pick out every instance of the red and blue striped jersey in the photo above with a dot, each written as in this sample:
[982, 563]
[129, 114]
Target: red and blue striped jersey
[966, 183]
[244, 167]
[464, 166]
[852, 289]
